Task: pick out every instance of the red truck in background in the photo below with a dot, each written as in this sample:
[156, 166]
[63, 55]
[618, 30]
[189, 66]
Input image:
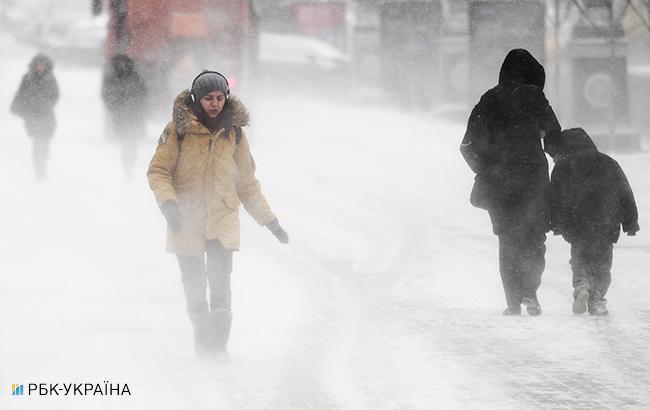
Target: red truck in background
[173, 40]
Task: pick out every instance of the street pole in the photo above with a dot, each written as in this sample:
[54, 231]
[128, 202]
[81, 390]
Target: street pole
[612, 58]
[556, 53]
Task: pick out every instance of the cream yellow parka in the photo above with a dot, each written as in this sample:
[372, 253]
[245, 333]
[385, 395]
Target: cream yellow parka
[208, 175]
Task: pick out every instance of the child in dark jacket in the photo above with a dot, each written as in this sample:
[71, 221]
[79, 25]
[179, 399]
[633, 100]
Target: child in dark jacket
[590, 200]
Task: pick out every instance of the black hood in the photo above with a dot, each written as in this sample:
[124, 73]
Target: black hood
[520, 66]
[575, 140]
[41, 58]
[122, 65]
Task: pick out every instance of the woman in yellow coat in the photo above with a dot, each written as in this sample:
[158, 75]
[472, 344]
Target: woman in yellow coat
[202, 170]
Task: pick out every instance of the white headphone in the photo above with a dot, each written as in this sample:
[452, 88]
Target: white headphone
[207, 72]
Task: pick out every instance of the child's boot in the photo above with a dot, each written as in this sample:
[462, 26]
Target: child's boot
[580, 299]
[514, 310]
[598, 307]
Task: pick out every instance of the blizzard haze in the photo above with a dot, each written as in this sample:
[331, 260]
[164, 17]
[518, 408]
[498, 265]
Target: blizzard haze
[388, 295]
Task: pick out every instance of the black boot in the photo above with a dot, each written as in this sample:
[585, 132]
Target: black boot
[512, 311]
[532, 305]
[598, 307]
[513, 301]
[580, 299]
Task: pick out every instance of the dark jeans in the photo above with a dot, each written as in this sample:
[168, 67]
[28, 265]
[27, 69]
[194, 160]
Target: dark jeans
[211, 321]
[521, 263]
[591, 263]
[197, 275]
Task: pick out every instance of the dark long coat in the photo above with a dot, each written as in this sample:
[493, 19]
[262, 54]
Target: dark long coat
[590, 195]
[503, 146]
[124, 93]
[35, 99]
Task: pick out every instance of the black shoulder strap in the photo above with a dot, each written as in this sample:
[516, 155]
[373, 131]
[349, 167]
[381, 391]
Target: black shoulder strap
[237, 135]
[179, 141]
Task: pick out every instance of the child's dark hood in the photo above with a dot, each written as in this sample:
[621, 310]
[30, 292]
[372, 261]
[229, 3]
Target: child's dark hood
[575, 141]
[520, 66]
[41, 58]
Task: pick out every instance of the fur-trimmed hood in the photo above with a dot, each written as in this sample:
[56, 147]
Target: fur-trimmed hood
[234, 114]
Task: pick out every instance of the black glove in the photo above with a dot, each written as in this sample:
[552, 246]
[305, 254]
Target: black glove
[631, 230]
[277, 230]
[173, 215]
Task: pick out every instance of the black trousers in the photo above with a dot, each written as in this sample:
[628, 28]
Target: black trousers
[521, 263]
[211, 320]
[591, 263]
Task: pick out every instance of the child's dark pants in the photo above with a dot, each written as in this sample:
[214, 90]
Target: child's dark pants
[591, 263]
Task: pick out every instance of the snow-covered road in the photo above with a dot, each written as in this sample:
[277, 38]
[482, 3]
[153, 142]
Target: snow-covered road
[388, 295]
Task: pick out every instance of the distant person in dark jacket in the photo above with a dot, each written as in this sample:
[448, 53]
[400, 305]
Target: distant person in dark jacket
[503, 146]
[590, 200]
[124, 94]
[34, 102]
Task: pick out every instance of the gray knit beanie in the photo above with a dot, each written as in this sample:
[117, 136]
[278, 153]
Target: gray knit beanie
[209, 81]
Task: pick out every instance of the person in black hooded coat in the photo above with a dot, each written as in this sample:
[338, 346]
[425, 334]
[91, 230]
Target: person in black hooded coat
[124, 93]
[502, 145]
[590, 200]
[34, 102]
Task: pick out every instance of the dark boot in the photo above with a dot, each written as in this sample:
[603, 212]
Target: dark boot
[512, 311]
[513, 301]
[597, 301]
[532, 305]
[598, 307]
[580, 299]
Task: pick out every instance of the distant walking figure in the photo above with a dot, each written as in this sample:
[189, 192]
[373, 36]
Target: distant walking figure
[502, 145]
[590, 200]
[34, 102]
[124, 94]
